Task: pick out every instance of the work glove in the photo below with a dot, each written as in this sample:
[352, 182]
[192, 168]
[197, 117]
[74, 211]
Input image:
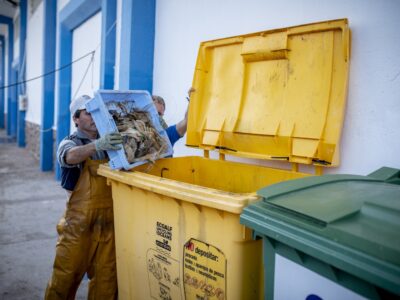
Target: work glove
[109, 142]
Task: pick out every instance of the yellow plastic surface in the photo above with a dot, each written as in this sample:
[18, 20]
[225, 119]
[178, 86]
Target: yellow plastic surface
[276, 94]
[197, 199]
[273, 95]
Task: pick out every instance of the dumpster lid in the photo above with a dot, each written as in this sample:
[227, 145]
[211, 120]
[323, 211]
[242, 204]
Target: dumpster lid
[357, 211]
[277, 94]
[349, 222]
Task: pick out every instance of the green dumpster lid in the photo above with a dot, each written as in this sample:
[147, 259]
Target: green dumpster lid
[349, 221]
[386, 174]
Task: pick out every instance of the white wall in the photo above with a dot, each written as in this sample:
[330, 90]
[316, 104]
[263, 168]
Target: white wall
[16, 41]
[86, 38]
[34, 64]
[61, 4]
[370, 137]
[304, 282]
[7, 9]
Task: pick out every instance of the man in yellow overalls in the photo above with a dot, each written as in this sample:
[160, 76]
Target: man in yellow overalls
[86, 231]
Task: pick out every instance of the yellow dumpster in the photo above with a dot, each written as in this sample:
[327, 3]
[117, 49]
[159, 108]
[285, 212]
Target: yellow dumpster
[272, 95]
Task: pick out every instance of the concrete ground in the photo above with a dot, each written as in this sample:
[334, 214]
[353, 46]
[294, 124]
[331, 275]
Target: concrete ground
[31, 203]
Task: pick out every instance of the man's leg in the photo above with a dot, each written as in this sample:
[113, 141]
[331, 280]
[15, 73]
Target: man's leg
[102, 270]
[70, 262]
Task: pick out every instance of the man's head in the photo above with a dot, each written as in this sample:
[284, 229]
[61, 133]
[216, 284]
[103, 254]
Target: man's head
[160, 104]
[82, 119]
[78, 104]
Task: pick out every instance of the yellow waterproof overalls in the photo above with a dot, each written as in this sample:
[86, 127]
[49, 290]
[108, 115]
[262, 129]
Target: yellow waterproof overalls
[86, 240]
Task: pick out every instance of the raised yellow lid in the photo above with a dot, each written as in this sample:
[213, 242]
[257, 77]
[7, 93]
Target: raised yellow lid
[277, 94]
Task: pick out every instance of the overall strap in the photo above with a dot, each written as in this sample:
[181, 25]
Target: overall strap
[91, 190]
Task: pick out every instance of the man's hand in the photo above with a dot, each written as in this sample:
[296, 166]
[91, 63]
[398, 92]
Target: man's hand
[190, 91]
[109, 142]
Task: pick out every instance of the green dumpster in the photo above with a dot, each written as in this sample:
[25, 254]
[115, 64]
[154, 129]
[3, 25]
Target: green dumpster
[345, 228]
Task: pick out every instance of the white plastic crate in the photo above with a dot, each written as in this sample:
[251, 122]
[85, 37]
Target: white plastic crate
[140, 100]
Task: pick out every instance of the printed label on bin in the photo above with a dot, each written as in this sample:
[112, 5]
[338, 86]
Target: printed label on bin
[163, 275]
[164, 236]
[204, 271]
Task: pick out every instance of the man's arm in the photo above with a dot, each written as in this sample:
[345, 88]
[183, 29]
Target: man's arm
[70, 154]
[182, 126]
[78, 154]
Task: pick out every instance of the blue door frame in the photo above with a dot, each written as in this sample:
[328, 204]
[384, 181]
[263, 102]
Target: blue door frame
[49, 64]
[137, 48]
[23, 8]
[74, 14]
[11, 100]
[2, 80]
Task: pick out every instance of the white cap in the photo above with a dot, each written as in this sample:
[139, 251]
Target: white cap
[79, 104]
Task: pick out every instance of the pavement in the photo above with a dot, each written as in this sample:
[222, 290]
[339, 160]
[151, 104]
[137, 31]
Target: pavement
[31, 203]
